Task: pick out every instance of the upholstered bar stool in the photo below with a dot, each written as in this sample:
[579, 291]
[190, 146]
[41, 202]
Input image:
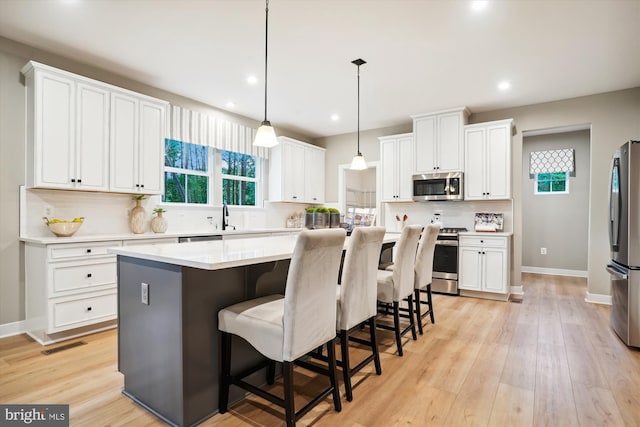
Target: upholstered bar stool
[285, 329]
[394, 286]
[356, 298]
[424, 273]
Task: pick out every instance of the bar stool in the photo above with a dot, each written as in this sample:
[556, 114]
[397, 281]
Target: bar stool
[285, 329]
[424, 273]
[394, 286]
[356, 299]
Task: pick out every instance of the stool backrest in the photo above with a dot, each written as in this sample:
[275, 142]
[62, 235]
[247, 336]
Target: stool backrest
[359, 288]
[424, 257]
[404, 264]
[310, 293]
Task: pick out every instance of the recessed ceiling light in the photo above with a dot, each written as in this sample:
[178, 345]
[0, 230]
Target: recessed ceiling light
[504, 85]
[230, 104]
[335, 117]
[479, 5]
[252, 80]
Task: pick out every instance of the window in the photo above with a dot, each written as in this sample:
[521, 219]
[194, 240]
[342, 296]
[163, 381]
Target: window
[186, 173]
[552, 183]
[239, 182]
[191, 178]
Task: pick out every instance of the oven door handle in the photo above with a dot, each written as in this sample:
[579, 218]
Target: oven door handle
[447, 242]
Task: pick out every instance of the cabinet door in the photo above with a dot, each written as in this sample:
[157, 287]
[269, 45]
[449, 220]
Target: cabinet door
[474, 179]
[54, 165]
[498, 158]
[495, 270]
[293, 176]
[124, 143]
[151, 148]
[388, 163]
[314, 175]
[405, 169]
[469, 276]
[425, 144]
[92, 138]
[450, 143]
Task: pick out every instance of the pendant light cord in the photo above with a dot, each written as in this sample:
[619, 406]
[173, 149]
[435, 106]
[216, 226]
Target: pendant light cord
[266, 55]
[359, 111]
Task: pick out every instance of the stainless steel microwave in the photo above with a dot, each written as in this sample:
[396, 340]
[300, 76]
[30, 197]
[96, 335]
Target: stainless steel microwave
[438, 186]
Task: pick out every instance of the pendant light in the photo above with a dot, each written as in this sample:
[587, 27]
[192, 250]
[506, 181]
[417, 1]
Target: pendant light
[266, 136]
[358, 163]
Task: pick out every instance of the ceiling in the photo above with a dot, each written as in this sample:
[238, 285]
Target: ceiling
[422, 55]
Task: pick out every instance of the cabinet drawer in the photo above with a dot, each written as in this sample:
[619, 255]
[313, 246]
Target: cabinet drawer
[66, 313]
[79, 277]
[81, 250]
[483, 241]
[158, 241]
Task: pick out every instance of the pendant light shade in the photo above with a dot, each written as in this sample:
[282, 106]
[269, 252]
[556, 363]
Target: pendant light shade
[358, 163]
[266, 136]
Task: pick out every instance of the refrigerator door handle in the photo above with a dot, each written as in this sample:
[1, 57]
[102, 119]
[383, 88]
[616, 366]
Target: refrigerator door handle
[615, 273]
[614, 205]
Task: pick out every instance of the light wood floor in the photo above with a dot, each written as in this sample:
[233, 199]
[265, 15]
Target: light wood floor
[551, 360]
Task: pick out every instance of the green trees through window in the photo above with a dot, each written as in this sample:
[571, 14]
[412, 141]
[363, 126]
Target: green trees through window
[188, 175]
[552, 182]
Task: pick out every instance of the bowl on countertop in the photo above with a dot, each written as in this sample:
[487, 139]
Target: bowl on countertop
[62, 228]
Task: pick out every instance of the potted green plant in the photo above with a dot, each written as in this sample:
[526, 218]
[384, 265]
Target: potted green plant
[321, 218]
[334, 218]
[308, 217]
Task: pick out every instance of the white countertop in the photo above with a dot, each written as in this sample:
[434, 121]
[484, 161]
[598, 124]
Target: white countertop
[131, 236]
[219, 254]
[486, 233]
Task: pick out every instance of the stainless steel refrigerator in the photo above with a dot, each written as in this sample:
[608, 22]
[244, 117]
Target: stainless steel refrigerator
[624, 240]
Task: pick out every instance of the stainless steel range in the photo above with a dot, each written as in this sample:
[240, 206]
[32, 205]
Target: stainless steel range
[445, 262]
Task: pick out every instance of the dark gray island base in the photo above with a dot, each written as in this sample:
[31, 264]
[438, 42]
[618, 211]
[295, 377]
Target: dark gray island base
[168, 346]
[168, 349]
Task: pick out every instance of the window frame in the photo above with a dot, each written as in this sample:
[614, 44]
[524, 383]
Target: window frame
[258, 180]
[550, 192]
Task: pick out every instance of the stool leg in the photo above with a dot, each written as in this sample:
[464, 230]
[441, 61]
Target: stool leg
[346, 370]
[396, 326]
[271, 372]
[418, 315]
[374, 344]
[225, 377]
[430, 300]
[412, 319]
[333, 377]
[289, 410]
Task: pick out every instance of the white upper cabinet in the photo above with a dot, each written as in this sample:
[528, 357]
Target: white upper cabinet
[67, 130]
[396, 158]
[296, 172]
[137, 144]
[439, 141]
[87, 135]
[488, 160]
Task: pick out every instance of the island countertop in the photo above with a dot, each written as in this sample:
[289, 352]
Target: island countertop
[221, 254]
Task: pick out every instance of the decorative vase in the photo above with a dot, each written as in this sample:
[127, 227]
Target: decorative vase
[159, 224]
[138, 219]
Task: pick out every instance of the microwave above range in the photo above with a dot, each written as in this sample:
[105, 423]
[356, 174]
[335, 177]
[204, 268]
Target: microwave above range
[438, 186]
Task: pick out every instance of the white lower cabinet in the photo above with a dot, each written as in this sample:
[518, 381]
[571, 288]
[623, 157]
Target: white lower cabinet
[484, 264]
[69, 286]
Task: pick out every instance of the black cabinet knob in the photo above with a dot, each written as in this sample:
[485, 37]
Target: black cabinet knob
[88, 251]
[142, 185]
[88, 275]
[79, 181]
[73, 180]
[89, 308]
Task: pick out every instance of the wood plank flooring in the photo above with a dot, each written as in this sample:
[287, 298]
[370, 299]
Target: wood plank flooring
[551, 360]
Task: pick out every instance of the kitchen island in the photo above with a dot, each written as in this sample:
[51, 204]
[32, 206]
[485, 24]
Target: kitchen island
[168, 301]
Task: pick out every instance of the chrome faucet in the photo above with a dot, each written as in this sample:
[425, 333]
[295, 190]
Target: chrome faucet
[225, 216]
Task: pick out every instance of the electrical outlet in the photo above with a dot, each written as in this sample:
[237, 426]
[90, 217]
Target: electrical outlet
[543, 251]
[47, 211]
[144, 292]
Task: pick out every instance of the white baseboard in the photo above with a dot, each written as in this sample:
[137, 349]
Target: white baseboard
[598, 298]
[555, 271]
[14, 328]
[517, 290]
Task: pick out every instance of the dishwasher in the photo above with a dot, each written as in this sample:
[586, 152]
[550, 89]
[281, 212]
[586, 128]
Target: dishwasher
[188, 239]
